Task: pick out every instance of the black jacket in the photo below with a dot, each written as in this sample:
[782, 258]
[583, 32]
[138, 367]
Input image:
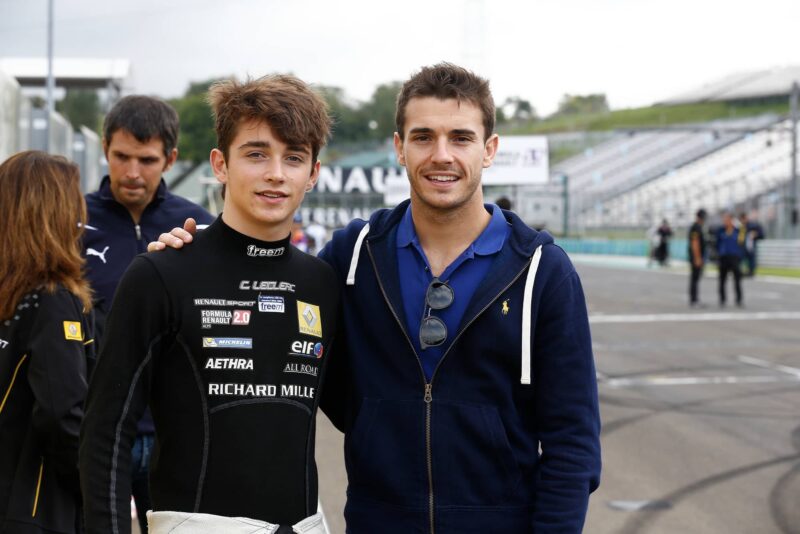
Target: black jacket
[43, 367]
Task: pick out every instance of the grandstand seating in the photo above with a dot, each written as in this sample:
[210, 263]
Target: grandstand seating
[631, 180]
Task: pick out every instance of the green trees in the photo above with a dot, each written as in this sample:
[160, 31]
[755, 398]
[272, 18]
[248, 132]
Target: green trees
[81, 107]
[582, 104]
[197, 136]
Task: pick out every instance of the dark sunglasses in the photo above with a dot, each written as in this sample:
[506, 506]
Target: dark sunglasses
[433, 331]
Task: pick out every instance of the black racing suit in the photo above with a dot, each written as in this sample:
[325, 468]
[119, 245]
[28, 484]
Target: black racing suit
[46, 347]
[227, 341]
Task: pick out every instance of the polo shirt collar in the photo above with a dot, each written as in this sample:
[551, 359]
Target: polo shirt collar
[490, 241]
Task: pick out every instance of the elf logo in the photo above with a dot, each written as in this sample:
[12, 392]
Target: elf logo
[306, 349]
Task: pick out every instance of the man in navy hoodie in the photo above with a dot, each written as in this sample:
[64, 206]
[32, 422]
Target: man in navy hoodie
[463, 377]
[131, 207]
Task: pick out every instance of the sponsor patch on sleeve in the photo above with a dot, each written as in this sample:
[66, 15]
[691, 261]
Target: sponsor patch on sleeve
[309, 319]
[72, 330]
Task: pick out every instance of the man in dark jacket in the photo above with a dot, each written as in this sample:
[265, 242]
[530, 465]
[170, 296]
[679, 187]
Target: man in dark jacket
[465, 382]
[697, 256]
[132, 207]
[730, 247]
[754, 233]
[463, 379]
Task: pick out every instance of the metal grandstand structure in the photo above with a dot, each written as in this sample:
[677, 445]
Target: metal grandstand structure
[641, 175]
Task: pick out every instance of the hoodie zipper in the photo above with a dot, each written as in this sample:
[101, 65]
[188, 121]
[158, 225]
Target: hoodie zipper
[428, 397]
[138, 232]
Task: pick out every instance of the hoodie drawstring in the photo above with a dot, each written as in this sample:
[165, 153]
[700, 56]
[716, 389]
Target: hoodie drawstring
[526, 316]
[351, 274]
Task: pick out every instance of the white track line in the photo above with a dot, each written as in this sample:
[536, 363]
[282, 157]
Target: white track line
[695, 380]
[770, 365]
[693, 317]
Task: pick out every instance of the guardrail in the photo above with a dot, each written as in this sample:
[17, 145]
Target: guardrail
[771, 252]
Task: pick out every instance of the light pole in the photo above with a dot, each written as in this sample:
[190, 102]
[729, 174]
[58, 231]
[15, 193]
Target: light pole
[565, 183]
[793, 193]
[51, 83]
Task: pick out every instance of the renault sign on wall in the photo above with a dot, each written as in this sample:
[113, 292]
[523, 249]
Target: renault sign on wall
[343, 193]
[520, 160]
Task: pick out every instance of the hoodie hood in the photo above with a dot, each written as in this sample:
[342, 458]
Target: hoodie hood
[525, 242]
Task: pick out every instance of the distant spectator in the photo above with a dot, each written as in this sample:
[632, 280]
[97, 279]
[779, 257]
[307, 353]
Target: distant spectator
[317, 235]
[653, 241]
[697, 256]
[664, 233]
[503, 203]
[754, 232]
[730, 247]
[298, 236]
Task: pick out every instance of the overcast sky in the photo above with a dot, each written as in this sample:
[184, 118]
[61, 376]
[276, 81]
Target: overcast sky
[636, 51]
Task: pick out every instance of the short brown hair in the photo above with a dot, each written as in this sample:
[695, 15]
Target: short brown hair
[445, 81]
[294, 111]
[42, 214]
[145, 118]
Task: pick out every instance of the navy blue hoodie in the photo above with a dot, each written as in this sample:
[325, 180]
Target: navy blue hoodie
[505, 436]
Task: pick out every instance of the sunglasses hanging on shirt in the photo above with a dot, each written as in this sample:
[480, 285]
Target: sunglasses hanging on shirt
[432, 330]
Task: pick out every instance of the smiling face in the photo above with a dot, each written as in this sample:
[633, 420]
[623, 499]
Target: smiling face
[135, 168]
[266, 180]
[444, 152]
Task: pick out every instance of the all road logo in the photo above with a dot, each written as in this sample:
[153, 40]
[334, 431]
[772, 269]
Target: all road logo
[210, 318]
[227, 343]
[268, 303]
[72, 330]
[309, 319]
[306, 349]
[301, 368]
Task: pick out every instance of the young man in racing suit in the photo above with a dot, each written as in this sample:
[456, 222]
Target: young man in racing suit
[226, 341]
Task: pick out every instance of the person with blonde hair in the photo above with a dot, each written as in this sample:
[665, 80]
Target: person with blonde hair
[45, 343]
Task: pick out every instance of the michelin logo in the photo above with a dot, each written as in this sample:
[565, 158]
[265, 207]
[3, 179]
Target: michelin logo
[227, 343]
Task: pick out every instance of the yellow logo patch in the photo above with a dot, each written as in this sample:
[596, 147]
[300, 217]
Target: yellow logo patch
[72, 330]
[309, 319]
[505, 307]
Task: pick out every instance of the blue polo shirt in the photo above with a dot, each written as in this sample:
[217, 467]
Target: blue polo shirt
[730, 244]
[463, 275]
